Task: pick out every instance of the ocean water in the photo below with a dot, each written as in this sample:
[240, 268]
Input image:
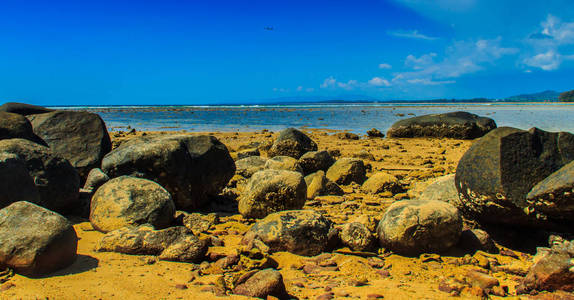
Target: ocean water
[357, 118]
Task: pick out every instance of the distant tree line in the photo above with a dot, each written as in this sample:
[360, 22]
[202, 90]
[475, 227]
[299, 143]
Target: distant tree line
[567, 96]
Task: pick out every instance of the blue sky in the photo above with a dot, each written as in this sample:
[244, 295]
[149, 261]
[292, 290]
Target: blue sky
[195, 52]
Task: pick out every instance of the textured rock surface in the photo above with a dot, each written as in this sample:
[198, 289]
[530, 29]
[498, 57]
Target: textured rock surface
[347, 170]
[23, 109]
[553, 197]
[357, 237]
[413, 226]
[459, 125]
[15, 126]
[442, 189]
[497, 172]
[35, 241]
[56, 180]
[302, 232]
[15, 182]
[96, 178]
[283, 163]
[292, 142]
[381, 182]
[80, 137]
[191, 168]
[271, 191]
[248, 166]
[314, 161]
[262, 284]
[127, 200]
[319, 185]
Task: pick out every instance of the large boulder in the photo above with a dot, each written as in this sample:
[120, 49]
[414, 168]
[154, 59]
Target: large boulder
[301, 232]
[127, 200]
[80, 137]
[248, 166]
[458, 125]
[271, 191]
[260, 284]
[357, 237]
[347, 170]
[292, 142]
[319, 185]
[15, 126]
[56, 180]
[191, 168]
[283, 163]
[172, 244]
[382, 182]
[412, 227]
[23, 108]
[494, 176]
[553, 197]
[35, 241]
[314, 161]
[15, 182]
[442, 189]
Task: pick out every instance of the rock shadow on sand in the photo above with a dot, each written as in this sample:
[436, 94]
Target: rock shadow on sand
[82, 264]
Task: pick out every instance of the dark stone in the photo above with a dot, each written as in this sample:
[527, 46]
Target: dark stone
[346, 136]
[347, 170]
[15, 126]
[80, 137]
[477, 239]
[553, 197]
[96, 178]
[301, 232]
[551, 271]
[412, 227]
[375, 133]
[283, 163]
[192, 168]
[314, 161]
[35, 241]
[292, 142]
[319, 185]
[458, 125]
[357, 237]
[248, 153]
[15, 182]
[23, 109]
[497, 172]
[56, 180]
[261, 284]
[126, 200]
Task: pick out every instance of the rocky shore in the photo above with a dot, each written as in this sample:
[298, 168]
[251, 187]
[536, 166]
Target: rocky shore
[311, 214]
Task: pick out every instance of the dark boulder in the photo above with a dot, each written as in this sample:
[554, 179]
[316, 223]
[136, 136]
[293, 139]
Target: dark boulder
[261, 284]
[319, 185]
[127, 200]
[553, 197]
[35, 241]
[15, 182]
[314, 161]
[171, 244]
[80, 137]
[494, 176]
[191, 168]
[271, 191]
[56, 180]
[357, 237]
[248, 166]
[375, 133]
[347, 170]
[458, 125]
[301, 232]
[96, 178]
[292, 142]
[412, 227]
[23, 108]
[15, 126]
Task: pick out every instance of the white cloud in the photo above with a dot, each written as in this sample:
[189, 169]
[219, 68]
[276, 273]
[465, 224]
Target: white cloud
[547, 44]
[426, 81]
[378, 82]
[385, 66]
[411, 34]
[418, 63]
[548, 61]
[329, 82]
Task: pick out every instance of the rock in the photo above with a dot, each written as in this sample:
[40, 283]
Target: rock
[292, 142]
[442, 189]
[346, 136]
[382, 182]
[248, 153]
[262, 284]
[56, 180]
[173, 244]
[271, 191]
[364, 154]
[283, 163]
[80, 137]
[494, 176]
[314, 161]
[552, 270]
[35, 241]
[127, 200]
[347, 170]
[319, 185]
[357, 237]
[477, 239]
[481, 280]
[412, 227]
[374, 133]
[15, 182]
[15, 126]
[301, 232]
[553, 197]
[198, 223]
[191, 168]
[248, 166]
[458, 125]
[96, 178]
[23, 109]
